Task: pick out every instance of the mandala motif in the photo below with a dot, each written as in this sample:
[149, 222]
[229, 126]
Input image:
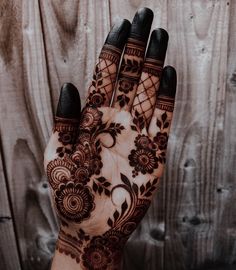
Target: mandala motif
[91, 117]
[59, 171]
[143, 160]
[74, 201]
[96, 98]
[96, 257]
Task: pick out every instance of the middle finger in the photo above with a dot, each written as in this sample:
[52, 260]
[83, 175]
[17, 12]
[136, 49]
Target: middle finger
[133, 58]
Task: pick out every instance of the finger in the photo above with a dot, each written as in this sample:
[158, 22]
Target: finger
[105, 73]
[145, 98]
[133, 58]
[65, 124]
[162, 116]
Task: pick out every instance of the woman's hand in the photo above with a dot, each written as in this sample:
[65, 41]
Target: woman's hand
[104, 164]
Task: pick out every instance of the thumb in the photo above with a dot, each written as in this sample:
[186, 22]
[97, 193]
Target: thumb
[66, 124]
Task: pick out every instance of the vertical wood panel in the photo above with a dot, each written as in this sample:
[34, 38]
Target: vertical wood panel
[8, 240]
[194, 171]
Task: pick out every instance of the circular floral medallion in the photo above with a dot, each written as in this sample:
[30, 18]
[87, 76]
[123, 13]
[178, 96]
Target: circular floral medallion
[91, 118]
[58, 171]
[126, 86]
[161, 139]
[96, 257]
[143, 160]
[96, 98]
[74, 201]
[142, 141]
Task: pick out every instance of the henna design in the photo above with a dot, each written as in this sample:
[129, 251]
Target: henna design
[130, 70]
[165, 103]
[145, 99]
[74, 201]
[104, 77]
[101, 185]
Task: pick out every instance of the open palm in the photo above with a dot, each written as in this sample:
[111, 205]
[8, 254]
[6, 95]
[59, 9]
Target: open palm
[103, 164]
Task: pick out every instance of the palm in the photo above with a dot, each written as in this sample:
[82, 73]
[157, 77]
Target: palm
[107, 164]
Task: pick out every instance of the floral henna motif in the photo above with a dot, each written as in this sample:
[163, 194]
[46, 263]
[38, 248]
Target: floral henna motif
[74, 201]
[104, 77]
[70, 173]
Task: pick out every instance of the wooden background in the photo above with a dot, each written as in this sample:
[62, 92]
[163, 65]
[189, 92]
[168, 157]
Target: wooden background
[44, 43]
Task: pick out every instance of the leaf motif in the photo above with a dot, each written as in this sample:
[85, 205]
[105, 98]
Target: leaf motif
[142, 189]
[159, 123]
[116, 215]
[148, 194]
[148, 185]
[95, 187]
[110, 222]
[125, 180]
[100, 190]
[135, 188]
[124, 207]
[163, 117]
[107, 192]
[101, 179]
[155, 181]
[166, 125]
[99, 83]
[106, 184]
[134, 128]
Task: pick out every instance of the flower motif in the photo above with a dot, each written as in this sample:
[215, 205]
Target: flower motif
[123, 99]
[96, 257]
[65, 138]
[96, 165]
[142, 141]
[161, 139]
[96, 98]
[143, 160]
[74, 201]
[125, 86]
[62, 151]
[91, 118]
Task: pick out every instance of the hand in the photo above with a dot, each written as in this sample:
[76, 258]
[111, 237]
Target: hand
[104, 164]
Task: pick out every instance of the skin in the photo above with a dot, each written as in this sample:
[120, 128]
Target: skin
[104, 163]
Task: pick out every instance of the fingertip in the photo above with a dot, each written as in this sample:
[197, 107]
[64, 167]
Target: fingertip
[141, 24]
[119, 34]
[69, 105]
[158, 44]
[168, 82]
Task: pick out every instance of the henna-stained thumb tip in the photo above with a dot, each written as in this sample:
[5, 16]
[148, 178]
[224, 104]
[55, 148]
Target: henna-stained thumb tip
[69, 105]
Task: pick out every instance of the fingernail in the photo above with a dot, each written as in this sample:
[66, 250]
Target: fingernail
[119, 34]
[141, 24]
[158, 44]
[168, 82]
[69, 105]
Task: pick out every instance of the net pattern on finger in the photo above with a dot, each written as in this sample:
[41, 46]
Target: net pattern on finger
[129, 74]
[145, 99]
[104, 77]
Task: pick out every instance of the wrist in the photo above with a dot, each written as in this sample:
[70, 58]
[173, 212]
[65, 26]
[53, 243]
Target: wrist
[77, 251]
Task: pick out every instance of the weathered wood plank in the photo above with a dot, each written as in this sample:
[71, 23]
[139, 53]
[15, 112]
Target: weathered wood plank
[199, 31]
[8, 239]
[145, 249]
[23, 109]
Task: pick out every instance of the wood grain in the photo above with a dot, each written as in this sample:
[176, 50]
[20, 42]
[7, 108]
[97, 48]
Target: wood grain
[191, 224]
[195, 172]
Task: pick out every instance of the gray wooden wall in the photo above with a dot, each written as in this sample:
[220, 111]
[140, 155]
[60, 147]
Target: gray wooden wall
[44, 43]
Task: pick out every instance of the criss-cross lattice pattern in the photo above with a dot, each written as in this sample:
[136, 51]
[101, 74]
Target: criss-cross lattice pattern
[145, 99]
[104, 77]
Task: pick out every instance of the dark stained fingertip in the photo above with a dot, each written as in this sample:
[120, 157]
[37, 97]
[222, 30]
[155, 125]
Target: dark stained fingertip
[69, 105]
[168, 82]
[119, 34]
[158, 44]
[141, 24]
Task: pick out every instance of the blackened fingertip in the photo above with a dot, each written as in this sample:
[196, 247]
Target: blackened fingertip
[119, 34]
[168, 82]
[141, 24]
[69, 105]
[158, 44]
